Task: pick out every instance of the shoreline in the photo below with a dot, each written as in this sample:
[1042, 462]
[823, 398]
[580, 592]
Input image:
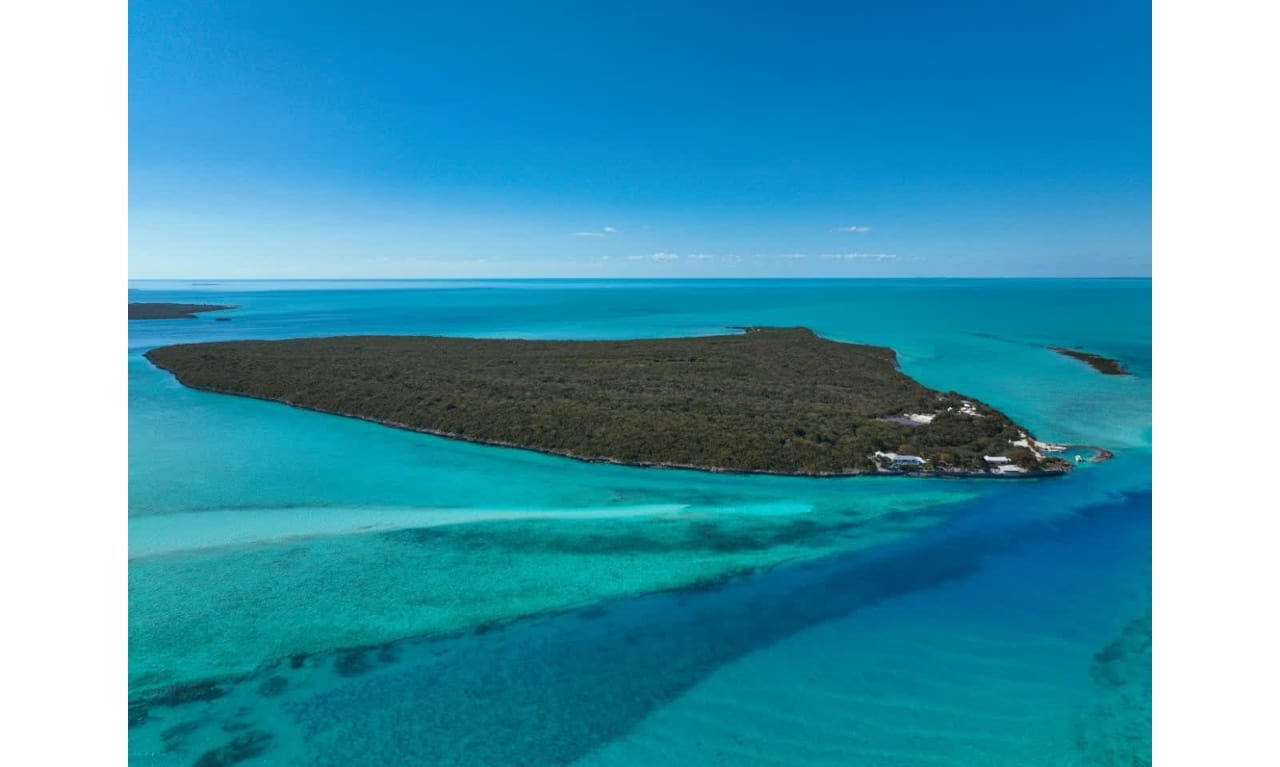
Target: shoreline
[938, 474]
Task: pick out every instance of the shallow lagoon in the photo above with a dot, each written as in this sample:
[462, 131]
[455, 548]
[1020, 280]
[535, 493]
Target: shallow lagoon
[503, 593]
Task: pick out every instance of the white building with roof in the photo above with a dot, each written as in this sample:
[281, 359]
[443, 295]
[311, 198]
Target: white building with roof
[898, 459]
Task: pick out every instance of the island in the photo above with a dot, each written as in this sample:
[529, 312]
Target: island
[163, 311]
[1104, 365]
[769, 400]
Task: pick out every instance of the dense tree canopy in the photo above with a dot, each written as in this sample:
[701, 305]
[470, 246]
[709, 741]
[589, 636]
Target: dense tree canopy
[770, 399]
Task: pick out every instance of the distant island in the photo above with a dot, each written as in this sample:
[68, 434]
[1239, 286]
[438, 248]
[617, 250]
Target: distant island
[771, 400]
[1104, 365]
[162, 311]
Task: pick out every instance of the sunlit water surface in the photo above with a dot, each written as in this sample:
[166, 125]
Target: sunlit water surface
[312, 590]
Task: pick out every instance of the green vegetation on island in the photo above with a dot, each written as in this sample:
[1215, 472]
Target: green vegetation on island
[777, 400]
[1104, 365]
[163, 311]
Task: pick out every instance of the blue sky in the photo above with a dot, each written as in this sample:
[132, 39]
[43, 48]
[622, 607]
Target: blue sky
[639, 139]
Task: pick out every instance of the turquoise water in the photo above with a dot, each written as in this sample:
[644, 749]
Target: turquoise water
[307, 589]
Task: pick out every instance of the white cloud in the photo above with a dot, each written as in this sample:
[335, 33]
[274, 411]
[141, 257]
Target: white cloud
[853, 229]
[609, 230]
[587, 234]
[859, 256]
[729, 258]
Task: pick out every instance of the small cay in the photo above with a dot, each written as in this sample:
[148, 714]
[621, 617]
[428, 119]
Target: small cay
[1104, 365]
[163, 311]
[771, 400]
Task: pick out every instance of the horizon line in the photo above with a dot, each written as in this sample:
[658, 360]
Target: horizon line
[622, 279]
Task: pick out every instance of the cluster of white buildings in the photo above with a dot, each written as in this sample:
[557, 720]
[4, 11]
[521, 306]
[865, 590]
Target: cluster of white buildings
[967, 408]
[996, 464]
[999, 464]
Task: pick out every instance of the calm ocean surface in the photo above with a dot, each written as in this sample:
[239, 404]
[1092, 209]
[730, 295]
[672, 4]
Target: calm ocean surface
[311, 590]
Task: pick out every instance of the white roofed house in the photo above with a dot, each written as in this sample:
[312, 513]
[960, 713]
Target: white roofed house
[897, 459]
[1009, 468]
[1003, 464]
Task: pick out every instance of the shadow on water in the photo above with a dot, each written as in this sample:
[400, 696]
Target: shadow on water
[550, 689]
